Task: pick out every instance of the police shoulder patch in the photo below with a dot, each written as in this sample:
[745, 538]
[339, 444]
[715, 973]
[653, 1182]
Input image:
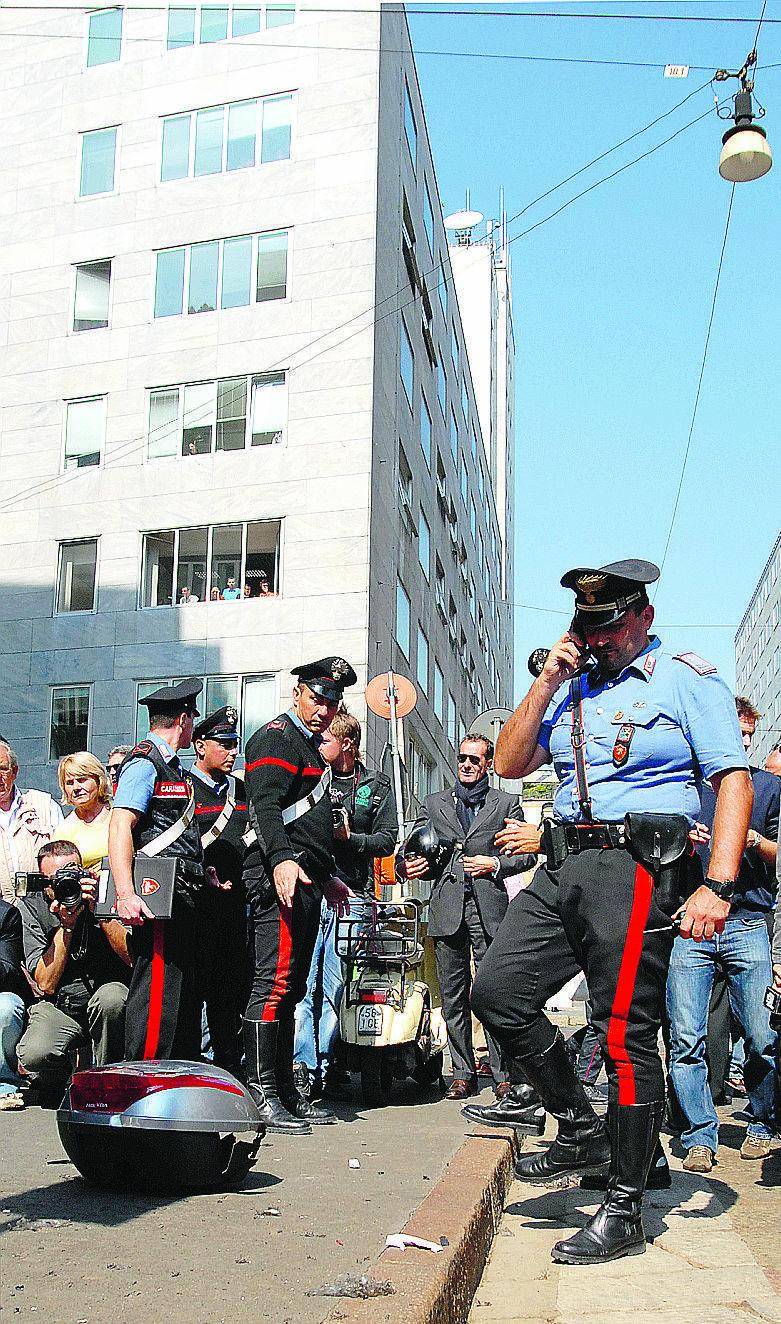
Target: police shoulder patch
[696, 663]
[277, 725]
[143, 747]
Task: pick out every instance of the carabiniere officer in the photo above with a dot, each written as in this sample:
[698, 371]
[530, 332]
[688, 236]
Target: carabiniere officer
[288, 868]
[630, 730]
[154, 814]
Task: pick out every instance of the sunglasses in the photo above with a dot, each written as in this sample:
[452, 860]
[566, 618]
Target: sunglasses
[470, 758]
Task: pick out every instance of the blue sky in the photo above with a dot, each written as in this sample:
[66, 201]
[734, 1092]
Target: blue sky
[612, 300]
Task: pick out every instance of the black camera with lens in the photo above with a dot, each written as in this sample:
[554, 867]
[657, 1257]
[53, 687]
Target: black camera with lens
[66, 885]
[773, 1004]
[339, 813]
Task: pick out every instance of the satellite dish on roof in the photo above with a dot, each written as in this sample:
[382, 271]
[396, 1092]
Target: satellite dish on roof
[463, 222]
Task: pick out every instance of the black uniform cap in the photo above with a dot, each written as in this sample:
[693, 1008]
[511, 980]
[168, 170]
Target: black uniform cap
[605, 593]
[220, 725]
[328, 677]
[174, 698]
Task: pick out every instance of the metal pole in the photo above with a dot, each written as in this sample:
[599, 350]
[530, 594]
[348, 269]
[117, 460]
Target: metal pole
[396, 758]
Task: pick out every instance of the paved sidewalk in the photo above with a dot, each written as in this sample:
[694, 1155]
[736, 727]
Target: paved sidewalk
[715, 1257]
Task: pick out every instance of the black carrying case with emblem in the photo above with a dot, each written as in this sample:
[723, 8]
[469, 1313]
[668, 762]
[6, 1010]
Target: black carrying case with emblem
[153, 881]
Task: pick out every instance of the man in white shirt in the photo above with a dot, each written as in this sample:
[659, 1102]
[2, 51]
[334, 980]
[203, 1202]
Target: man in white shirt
[28, 819]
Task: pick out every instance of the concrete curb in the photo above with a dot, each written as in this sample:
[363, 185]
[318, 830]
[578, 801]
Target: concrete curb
[465, 1206]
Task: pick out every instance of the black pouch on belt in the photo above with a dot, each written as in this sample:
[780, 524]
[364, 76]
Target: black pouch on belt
[554, 844]
[660, 842]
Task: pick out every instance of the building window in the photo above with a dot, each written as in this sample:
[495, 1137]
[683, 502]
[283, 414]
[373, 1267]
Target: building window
[214, 416]
[85, 428]
[442, 290]
[421, 772]
[454, 348]
[441, 388]
[223, 562]
[463, 482]
[428, 218]
[410, 127]
[406, 363]
[253, 697]
[425, 430]
[69, 729]
[104, 42]
[424, 545]
[90, 303]
[473, 519]
[464, 399]
[439, 693]
[453, 437]
[481, 482]
[451, 718]
[212, 22]
[421, 668]
[230, 137]
[98, 151]
[76, 578]
[439, 590]
[402, 618]
[221, 273]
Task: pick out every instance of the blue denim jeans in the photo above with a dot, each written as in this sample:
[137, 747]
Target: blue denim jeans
[11, 1026]
[742, 951]
[317, 1014]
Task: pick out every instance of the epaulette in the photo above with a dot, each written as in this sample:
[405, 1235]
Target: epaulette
[279, 724]
[143, 747]
[696, 663]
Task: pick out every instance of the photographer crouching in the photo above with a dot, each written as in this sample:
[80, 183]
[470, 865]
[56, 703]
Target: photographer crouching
[80, 966]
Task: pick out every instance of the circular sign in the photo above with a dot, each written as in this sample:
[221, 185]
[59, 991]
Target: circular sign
[378, 697]
[490, 723]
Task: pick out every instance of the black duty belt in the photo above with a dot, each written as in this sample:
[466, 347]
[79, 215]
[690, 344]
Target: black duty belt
[593, 836]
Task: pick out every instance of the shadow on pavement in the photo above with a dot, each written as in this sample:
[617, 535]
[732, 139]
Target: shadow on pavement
[549, 1205]
[71, 1200]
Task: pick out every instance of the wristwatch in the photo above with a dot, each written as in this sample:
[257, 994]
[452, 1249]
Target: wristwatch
[725, 890]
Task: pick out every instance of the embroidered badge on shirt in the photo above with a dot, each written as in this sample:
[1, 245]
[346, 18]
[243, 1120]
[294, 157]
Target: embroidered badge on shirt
[623, 741]
[649, 664]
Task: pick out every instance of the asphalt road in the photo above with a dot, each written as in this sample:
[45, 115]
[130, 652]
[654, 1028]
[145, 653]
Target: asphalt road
[206, 1259]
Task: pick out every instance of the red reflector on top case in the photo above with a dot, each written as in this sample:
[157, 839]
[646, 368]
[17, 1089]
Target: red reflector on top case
[372, 995]
[102, 1092]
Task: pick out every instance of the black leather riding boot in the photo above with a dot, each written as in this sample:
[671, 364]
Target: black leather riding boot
[659, 1176]
[260, 1053]
[616, 1228]
[310, 1111]
[582, 1142]
[520, 1107]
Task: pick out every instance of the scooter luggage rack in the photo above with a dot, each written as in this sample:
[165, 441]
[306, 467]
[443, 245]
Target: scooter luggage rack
[385, 934]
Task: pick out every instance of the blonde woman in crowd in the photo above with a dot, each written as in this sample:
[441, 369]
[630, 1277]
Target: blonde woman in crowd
[28, 819]
[85, 785]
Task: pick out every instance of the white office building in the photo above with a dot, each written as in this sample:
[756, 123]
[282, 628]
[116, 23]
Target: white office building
[239, 425]
[758, 656]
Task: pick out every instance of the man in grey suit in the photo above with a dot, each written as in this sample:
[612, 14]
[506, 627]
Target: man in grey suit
[468, 899]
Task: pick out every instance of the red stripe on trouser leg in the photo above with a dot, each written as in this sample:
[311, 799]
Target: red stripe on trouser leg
[156, 982]
[281, 983]
[625, 985]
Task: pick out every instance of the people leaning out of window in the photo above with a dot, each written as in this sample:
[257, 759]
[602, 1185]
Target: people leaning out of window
[231, 592]
[80, 966]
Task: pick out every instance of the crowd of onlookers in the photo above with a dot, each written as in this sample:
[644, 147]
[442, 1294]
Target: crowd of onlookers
[64, 973]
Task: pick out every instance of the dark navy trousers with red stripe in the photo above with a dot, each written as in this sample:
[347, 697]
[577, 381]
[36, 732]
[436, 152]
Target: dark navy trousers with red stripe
[284, 940]
[597, 913]
[163, 1009]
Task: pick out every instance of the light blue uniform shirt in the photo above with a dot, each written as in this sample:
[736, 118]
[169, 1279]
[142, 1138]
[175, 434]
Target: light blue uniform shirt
[137, 780]
[684, 728]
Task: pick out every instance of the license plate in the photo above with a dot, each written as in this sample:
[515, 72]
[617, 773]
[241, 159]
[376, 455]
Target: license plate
[370, 1020]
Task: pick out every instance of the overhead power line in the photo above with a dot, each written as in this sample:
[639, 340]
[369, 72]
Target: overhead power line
[448, 13]
[699, 380]
[292, 362]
